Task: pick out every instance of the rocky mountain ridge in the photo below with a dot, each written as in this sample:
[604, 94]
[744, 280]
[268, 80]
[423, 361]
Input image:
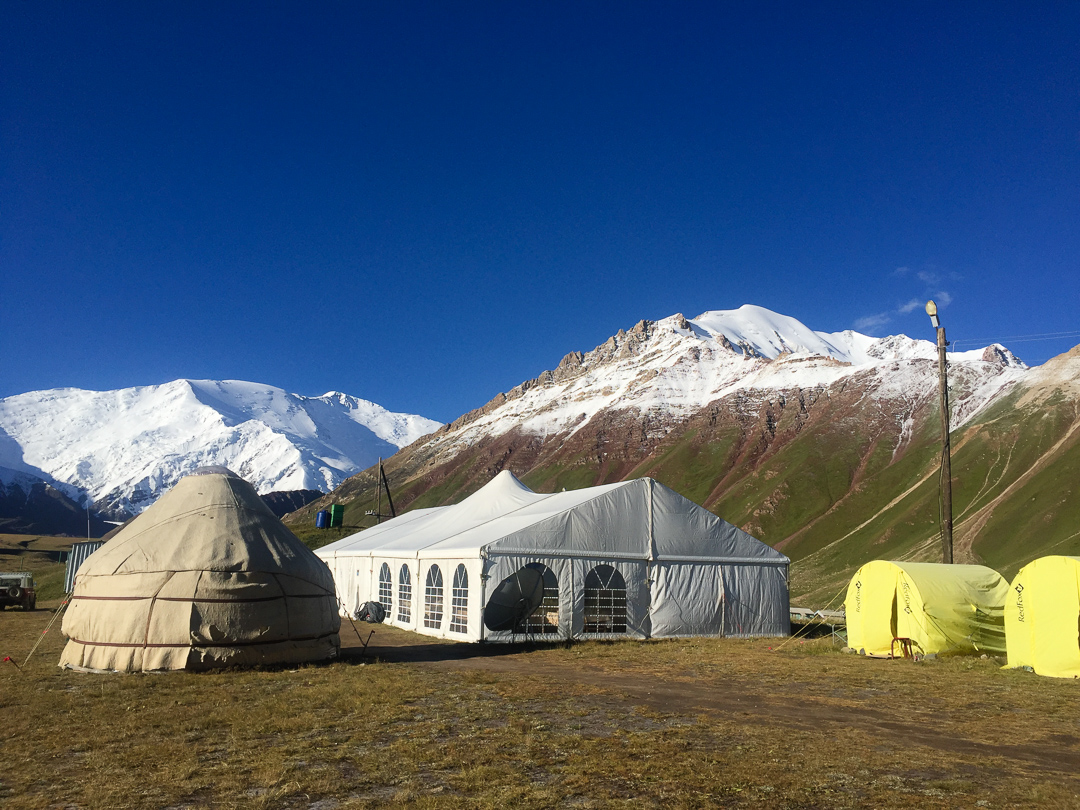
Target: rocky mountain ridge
[667, 370]
[800, 437]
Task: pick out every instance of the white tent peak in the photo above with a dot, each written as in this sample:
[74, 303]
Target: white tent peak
[503, 493]
[505, 484]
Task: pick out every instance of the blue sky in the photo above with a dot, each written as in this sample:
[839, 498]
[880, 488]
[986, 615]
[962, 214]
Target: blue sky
[424, 204]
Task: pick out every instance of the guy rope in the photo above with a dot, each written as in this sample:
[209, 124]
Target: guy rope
[48, 627]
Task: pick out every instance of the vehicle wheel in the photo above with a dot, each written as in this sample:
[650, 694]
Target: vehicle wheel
[14, 592]
[31, 603]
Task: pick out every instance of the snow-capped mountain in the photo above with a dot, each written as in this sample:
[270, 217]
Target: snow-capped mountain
[124, 448]
[673, 367]
[824, 444]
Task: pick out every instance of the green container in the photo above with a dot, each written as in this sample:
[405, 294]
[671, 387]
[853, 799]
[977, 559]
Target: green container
[337, 516]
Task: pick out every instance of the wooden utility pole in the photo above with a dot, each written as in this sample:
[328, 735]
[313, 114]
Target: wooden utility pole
[946, 451]
[380, 484]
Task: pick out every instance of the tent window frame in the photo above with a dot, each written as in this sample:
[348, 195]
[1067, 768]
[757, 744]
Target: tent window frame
[459, 601]
[433, 598]
[605, 601]
[404, 613]
[540, 621]
[386, 588]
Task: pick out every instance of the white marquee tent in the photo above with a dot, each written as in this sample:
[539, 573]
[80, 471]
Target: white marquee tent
[627, 559]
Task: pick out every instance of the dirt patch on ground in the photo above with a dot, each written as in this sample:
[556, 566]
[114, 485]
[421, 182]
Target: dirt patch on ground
[415, 721]
[738, 697]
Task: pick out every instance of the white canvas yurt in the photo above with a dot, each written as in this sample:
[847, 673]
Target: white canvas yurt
[631, 559]
[205, 577]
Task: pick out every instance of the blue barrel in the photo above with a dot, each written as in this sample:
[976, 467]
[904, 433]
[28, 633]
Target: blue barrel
[322, 519]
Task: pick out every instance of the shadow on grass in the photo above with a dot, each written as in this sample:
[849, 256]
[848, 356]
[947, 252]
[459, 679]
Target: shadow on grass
[434, 653]
[396, 646]
[819, 629]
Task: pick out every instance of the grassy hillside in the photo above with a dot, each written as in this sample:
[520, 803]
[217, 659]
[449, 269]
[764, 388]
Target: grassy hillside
[1015, 480]
[832, 478]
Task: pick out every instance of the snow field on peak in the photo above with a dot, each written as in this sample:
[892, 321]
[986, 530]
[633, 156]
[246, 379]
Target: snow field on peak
[126, 447]
[293, 412]
[683, 365]
[771, 334]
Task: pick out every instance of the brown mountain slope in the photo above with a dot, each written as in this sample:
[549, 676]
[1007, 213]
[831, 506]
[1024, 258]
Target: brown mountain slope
[834, 474]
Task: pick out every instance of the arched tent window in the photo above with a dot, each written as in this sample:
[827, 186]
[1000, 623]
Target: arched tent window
[433, 598]
[605, 601]
[545, 619]
[459, 602]
[404, 595]
[386, 588]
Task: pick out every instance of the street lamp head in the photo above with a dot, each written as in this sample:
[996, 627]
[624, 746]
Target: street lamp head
[931, 310]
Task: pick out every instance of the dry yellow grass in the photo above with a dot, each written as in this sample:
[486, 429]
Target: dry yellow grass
[419, 723]
[689, 723]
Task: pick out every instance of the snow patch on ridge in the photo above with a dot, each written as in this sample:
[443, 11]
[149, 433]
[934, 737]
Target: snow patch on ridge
[15, 478]
[770, 334]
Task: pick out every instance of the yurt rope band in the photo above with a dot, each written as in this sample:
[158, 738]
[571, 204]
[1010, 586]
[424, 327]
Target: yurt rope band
[199, 644]
[202, 599]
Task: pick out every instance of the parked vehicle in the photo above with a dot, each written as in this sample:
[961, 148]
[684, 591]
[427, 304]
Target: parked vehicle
[17, 588]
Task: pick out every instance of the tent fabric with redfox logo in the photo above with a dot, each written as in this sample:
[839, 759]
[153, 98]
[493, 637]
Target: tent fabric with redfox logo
[929, 607]
[1042, 617]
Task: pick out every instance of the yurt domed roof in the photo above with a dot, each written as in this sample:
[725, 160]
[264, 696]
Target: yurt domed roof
[211, 522]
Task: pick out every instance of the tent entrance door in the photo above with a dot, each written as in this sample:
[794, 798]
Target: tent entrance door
[605, 602]
[893, 621]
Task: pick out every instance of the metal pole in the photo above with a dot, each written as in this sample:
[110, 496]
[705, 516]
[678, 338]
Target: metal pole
[386, 484]
[946, 452]
[378, 494]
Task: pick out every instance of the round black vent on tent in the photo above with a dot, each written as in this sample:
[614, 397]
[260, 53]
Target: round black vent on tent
[514, 599]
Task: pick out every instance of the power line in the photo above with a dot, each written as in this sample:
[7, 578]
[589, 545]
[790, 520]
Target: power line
[1022, 338]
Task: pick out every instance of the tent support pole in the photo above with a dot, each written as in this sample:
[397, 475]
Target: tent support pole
[483, 592]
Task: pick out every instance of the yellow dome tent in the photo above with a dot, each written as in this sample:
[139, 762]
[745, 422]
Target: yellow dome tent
[940, 608]
[1042, 617]
[205, 577]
